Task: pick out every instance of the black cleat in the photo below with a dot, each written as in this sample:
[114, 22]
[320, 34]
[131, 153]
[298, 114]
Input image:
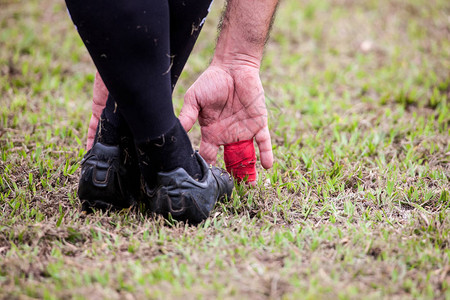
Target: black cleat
[187, 199]
[109, 179]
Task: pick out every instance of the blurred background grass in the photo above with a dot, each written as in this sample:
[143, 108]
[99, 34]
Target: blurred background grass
[356, 205]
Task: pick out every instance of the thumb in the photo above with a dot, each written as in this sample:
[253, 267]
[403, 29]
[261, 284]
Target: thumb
[209, 152]
[189, 111]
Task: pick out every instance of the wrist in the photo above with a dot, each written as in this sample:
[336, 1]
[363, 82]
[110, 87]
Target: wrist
[233, 51]
[232, 60]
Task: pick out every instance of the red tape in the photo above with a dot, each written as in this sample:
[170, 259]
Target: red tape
[240, 160]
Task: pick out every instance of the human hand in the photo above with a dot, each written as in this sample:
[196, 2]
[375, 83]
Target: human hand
[229, 104]
[98, 103]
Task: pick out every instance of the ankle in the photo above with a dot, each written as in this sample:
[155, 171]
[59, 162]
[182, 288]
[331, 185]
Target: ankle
[169, 151]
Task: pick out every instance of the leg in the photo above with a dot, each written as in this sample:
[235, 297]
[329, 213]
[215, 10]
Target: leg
[186, 21]
[133, 58]
[129, 44]
[132, 55]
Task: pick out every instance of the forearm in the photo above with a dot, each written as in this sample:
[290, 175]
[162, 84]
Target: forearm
[244, 31]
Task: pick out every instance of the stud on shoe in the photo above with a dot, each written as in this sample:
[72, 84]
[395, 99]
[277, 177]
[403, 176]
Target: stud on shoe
[107, 181]
[185, 198]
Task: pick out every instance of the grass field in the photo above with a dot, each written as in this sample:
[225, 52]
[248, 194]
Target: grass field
[356, 206]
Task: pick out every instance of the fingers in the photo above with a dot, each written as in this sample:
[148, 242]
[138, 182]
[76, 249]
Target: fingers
[209, 152]
[91, 132]
[189, 111]
[97, 110]
[100, 92]
[100, 95]
[265, 148]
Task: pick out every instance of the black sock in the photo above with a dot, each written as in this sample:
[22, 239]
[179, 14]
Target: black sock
[166, 153]
[109, 124]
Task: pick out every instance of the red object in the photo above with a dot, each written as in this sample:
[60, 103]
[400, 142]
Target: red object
[240, 160]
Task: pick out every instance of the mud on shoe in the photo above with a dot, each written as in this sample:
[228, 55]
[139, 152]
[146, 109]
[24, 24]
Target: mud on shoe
[187, 199]
[108, 180]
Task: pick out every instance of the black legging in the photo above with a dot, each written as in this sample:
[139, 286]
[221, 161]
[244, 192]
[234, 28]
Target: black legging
[140, 48]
